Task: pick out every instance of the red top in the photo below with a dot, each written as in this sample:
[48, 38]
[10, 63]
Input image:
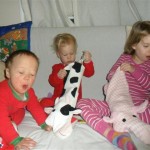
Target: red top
[58, 83]
[10, 104]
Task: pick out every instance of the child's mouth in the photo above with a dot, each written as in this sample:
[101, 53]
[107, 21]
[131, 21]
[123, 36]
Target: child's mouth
[148, 57]
[25, 87]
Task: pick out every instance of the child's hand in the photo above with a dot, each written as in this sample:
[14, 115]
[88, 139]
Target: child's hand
[25, 144]
[48, 128]
[127, 67]
[87, 56]
[62, 73]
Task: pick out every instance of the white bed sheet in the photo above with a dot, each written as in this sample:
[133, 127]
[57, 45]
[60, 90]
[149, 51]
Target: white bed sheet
[82, 138]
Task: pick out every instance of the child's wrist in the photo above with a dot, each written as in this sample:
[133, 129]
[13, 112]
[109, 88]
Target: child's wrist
[17, 140]
[43, 125]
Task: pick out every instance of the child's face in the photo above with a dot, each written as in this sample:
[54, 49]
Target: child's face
[22, 73]
[142, 50]
[67, 54]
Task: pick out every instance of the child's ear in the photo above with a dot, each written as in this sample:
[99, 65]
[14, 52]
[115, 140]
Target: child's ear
[7, 73]
[57, 53]
[134, 46]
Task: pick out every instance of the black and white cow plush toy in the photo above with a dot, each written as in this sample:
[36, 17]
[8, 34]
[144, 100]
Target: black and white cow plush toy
[61, 115]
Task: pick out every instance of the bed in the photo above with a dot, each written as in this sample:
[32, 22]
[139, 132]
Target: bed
[106, 44]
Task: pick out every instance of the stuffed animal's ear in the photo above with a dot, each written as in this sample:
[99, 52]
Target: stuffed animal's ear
[105, 88]
[108, 119]
[141, 108]
[57, 100]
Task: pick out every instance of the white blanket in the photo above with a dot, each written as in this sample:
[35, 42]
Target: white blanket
[82, 138]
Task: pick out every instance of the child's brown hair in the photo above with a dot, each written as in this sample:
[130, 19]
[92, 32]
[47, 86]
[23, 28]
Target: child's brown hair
[17, 53]
[138, 31]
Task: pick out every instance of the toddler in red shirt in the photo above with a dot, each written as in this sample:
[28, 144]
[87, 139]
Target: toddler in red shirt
[65, 46]
[17, 95]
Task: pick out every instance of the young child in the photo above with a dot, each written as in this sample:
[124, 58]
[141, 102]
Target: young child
[16, 95]
[135, 62]
[65, 46]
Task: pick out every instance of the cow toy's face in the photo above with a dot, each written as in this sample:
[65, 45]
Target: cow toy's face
[60, 118]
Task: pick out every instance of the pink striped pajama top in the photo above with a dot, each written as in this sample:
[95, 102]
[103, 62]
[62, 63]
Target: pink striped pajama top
[139, 87]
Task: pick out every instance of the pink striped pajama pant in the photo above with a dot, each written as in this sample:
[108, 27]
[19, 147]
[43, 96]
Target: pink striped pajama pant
[93, 111]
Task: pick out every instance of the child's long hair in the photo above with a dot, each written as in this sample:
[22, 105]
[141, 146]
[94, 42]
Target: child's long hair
[138, 31]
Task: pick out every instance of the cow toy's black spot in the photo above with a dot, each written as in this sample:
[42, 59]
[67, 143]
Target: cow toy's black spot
[65, 79]
[74, 91]
[77, 67]
[65, 109]
[74, 80]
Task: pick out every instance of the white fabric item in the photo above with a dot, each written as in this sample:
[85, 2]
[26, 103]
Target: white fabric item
[98, 12]
[47, 13]
[55, 13]
[25, 12]
[82, 138]
[139, 10]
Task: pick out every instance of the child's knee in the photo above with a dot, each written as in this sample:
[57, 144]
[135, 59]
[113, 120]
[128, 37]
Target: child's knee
[82, 103]
[46, 102]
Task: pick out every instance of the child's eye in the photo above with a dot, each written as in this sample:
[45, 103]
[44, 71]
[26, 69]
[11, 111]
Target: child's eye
[32, 75]
[145, 45]
[20, 72]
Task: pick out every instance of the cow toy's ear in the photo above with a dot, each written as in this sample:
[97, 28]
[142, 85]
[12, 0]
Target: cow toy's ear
[77, 111]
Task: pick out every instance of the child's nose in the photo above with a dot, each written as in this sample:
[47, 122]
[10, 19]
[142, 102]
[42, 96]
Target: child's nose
[27, 77]
[69, 56]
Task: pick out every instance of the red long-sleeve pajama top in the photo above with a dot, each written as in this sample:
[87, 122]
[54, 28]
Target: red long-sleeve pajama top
[58, 83]
[9, 104]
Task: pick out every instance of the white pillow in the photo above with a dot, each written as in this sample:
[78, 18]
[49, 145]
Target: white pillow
[2, 67]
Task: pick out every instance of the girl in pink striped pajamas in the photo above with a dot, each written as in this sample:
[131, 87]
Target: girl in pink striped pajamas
[135, 62]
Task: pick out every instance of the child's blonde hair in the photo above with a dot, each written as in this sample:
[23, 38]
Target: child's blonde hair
[64, 39]
[138, 31]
